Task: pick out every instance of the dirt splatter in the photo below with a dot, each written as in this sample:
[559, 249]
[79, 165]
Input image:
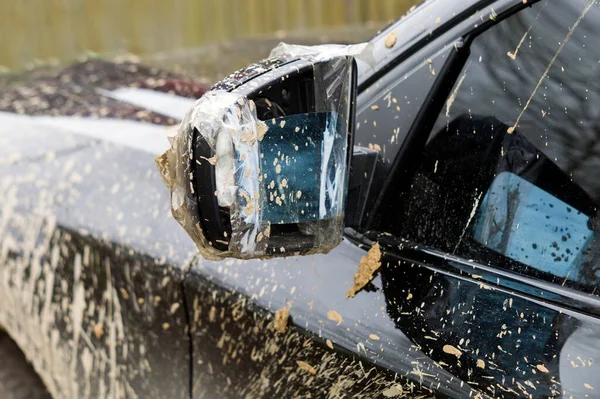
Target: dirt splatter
[99, 330]
[335, 316]
[451, 350]
[542, 368]
[513, 55]
[289, 364]
[261, 130]
[76, 337]
[211, 160]
[281, 319]
[367, 268]
[393, 392]
[124, 293]
[390, 39]
[249, 209]
[587, 8]
[306, 367]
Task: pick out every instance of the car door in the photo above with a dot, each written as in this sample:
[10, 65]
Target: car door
[490, 234]
[287, 327]
[91, 262]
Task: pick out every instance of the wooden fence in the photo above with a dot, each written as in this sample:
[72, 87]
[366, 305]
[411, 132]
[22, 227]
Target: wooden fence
[45, 30]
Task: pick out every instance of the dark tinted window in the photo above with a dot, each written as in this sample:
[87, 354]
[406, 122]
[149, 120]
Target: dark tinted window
[510, 174]
[389, 108]
[391, 104]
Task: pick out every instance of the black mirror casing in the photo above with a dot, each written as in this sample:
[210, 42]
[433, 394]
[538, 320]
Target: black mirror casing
[266, 154]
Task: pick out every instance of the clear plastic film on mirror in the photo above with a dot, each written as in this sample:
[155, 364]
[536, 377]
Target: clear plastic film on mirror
[280, 164]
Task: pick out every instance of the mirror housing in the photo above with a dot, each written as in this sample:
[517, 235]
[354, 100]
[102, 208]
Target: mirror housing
[259, 166]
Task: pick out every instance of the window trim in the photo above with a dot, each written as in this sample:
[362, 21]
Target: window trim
[564, 299]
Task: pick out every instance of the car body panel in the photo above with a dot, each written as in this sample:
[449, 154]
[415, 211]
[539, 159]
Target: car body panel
[248, 357]
[87, 299]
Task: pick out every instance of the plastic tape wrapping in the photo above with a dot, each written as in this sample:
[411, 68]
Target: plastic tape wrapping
[229, 125]
[362, 52]
[257, 193]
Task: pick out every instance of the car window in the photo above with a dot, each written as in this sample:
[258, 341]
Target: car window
[509, 175]
[388, 107]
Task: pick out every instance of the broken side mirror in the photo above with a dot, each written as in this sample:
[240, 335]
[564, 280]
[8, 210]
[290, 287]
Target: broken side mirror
[259, 166]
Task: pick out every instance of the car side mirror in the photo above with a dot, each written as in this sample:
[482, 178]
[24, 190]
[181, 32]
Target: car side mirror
[259, 166]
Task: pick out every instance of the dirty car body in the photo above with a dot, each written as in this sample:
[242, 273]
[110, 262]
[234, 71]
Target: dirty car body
[482, 197]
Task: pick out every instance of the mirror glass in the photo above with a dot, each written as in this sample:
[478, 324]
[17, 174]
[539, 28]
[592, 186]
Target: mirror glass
[302, 159]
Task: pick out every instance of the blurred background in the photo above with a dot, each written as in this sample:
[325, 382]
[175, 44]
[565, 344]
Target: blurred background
[205, 39]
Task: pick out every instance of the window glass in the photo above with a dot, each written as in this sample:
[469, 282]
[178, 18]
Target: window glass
[510, 174]
[391, 105]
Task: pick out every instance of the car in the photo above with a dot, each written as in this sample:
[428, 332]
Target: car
[469, 260]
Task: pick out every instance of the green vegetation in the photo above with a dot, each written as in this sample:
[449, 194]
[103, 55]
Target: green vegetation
[56, 31]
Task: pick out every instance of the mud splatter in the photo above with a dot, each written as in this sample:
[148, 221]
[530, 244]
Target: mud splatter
[452, 350]
[335, 316]
[281, 319]
[394, 391]
[306, 367]
[542, 368]
[367, 268]
[274, 364]
[390, 39]
[587, 8]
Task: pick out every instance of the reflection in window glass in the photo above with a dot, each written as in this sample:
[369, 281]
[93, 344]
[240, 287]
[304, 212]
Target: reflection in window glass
[531, 226]
[561, 116]
[527, 104]
[539, 73]
[509, 179]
